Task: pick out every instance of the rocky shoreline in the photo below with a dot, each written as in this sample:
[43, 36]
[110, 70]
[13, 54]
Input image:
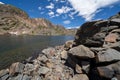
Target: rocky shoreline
[93, 55]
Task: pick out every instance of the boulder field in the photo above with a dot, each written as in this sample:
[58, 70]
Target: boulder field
[93, 55]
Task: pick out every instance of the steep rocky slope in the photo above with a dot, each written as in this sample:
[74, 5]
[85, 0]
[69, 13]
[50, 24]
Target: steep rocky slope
[16, 21]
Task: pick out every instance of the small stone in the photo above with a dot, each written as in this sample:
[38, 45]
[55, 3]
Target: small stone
[43, 70]
[64, 55]
[69, 44]
[42, 58]
[4, 77]
[49, 52]
[80, 77]
[19, 77]
[16, 68]
[85, 66]
[28, 68]
[59, 68]
[49, 64]
[4, 72]
[26, 77]
[78, 69]
[37, 77]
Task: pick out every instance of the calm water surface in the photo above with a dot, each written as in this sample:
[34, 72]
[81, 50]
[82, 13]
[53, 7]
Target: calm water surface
[18, 48]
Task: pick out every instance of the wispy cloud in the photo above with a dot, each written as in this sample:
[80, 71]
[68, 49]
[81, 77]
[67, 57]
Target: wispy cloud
[39, 8]
[2, 3]
[51, 14]
[74, 27]
[67, 22]
[64, 9]
[51, 6]
[88, 8]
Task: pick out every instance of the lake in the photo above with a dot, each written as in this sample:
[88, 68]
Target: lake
[17, 48]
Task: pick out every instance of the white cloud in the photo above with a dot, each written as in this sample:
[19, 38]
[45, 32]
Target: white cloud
[71, 16]
[74, 27]
[2, 3]
[67, 22]
[88, 8]
[51, 14]
[51, 6]
[39, 8]
[64, 9]
[57, 15]
[41, 12]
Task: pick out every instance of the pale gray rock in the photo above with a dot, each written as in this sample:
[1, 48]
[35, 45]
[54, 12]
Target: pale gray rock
[43, 70]
[81, 51]
[109, 55]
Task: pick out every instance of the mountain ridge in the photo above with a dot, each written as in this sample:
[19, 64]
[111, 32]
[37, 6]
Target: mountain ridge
[16, 21]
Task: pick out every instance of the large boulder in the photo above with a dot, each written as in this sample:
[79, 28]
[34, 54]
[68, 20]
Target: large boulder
[81, 52]
[92, 34]
[108, 55]
[110, 70]
[86, 34]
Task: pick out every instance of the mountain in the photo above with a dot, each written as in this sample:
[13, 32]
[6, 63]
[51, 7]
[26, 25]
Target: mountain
[16, 21]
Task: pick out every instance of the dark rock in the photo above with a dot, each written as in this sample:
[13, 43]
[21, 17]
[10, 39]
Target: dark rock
[16, 68]
[109, 55]
[88, 30]
[105, 72]
[99, 36]
[95, 43]
[110, 70]
[85, 66]
[81, 51]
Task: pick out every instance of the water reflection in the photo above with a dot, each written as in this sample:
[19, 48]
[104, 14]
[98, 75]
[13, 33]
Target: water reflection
[18, 48]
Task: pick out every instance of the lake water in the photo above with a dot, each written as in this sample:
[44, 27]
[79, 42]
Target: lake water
[17, 48]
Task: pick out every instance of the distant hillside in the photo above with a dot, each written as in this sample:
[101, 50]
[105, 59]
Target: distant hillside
[15, 21]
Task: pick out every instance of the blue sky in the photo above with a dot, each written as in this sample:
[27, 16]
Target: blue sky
[69, 13]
